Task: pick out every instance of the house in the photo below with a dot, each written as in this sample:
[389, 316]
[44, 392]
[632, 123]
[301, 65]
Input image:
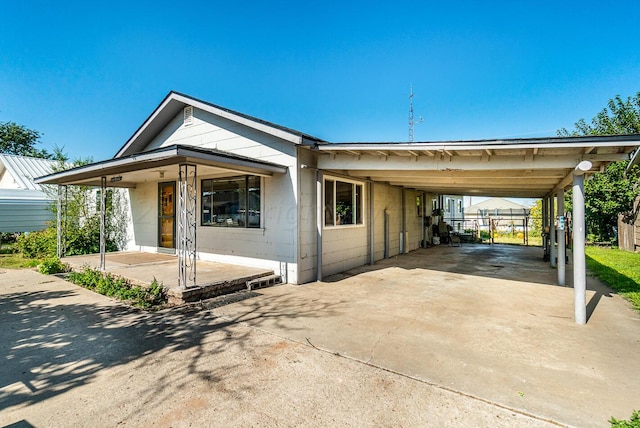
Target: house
[208, 183]
[24, 205]
[504, 213]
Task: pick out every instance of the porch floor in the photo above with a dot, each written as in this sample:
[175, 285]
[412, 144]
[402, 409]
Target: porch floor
[141, 268]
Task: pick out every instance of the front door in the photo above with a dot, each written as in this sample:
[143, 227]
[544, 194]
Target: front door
[167, 215]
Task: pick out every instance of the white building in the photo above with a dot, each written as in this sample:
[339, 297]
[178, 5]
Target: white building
[24, 205]
[212, 184]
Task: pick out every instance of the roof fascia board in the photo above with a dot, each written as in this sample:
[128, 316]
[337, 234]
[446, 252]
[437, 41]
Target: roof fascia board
[186, 100]
[167, 156]
[568, 142]
[292, 138]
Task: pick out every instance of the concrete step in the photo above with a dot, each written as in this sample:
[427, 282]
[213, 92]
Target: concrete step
[264, 281]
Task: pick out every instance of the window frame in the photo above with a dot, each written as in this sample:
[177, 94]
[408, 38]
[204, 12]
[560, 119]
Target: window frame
[358, 202]
[247, 223]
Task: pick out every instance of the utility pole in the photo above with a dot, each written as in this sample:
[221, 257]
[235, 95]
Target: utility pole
[412, 122]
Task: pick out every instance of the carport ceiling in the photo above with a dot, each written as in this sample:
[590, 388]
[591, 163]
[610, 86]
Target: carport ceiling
[528, 168]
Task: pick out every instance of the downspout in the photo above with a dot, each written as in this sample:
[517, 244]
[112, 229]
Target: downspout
[371, 226]
[319, 218]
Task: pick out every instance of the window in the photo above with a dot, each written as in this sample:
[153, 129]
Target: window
[231, 202]
[342, 203]
[460, 206]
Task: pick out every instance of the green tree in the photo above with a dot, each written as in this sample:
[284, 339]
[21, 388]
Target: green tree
[19, 140]
[610, 193]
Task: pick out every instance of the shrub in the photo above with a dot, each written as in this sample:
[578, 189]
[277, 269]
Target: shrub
[52, 265]
[150, 297]
[38, 244]
[633, 422]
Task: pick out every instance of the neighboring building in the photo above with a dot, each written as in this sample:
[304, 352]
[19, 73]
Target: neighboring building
[504, 213]
[24, 205]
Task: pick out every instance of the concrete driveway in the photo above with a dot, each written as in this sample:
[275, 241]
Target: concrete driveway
[465, 336]
[484, 321]
[69, 357]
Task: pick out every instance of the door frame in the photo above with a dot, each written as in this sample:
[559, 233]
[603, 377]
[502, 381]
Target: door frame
[171, 249]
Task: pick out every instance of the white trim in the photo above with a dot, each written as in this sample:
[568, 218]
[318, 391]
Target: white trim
[363, 202]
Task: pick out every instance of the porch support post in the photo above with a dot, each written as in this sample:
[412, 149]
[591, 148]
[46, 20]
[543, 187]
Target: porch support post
[371, 226]
[544, 225]
[552, 230]
[561, 239]
[403, 237]
[579, 262]
[186, 242]
[61, 221]
[103, 219]
[319, 220]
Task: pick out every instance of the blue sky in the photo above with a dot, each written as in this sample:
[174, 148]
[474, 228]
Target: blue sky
[86, 74]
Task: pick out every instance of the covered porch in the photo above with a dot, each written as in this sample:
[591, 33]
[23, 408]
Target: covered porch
[142, 268]
[172, 260]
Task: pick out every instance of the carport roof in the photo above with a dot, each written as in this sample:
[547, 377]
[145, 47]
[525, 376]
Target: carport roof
[530, 168]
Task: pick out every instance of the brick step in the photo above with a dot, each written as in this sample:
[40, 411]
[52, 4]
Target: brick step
[264, 281]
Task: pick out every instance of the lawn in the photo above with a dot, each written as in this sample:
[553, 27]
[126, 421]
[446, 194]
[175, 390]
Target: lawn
[618, 269]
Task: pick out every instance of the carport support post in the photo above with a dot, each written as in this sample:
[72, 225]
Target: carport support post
[103, 220]
[552, 231]
[561, 239]
[579, 263]
[319, 219]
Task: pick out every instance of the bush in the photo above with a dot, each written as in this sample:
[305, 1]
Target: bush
[52, 265]
[150, 297]
[633, 422]
[39, 244]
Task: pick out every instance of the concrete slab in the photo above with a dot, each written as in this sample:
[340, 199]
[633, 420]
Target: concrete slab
[139, 267]
[486, 321]
[70, 357]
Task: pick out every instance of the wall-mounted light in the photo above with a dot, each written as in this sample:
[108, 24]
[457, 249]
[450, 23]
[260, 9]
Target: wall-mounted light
[161, 173]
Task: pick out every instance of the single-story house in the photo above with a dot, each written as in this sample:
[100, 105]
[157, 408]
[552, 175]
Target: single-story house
[24, 205]
[209, 183]
[503, 212]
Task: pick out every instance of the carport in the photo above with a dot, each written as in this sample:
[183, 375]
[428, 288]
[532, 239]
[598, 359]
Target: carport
[524, 168]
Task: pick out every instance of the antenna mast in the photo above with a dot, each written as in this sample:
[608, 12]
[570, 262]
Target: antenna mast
[412, 122]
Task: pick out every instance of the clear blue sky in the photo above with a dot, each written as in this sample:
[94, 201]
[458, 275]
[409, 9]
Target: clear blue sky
[86, 74]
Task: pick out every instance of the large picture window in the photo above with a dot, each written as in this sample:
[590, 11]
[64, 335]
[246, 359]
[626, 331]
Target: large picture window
[342, 203]
[231, 201]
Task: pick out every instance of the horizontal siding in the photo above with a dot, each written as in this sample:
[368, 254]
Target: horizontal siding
[24, 216]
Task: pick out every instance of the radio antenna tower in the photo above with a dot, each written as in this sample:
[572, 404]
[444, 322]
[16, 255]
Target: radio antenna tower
[412, 122]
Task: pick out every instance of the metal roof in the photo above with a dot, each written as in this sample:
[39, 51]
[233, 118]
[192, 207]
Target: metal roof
[24, 169]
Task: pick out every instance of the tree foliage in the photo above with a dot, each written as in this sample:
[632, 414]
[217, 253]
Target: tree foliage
[612, 192]
[19, 140]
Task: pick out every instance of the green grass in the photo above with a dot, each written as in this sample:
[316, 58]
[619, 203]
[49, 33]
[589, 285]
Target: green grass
[618, 269]
[508, 239]
[17, 261]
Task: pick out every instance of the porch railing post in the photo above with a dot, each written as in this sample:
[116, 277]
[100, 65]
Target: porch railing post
[61, 215]
[186, 227]
[103, 218]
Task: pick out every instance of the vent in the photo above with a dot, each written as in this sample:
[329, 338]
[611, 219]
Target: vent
[188, 115]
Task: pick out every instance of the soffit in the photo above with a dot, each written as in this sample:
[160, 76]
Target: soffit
[528, 168]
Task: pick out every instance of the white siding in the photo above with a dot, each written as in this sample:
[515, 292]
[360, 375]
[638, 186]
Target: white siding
[307, 221]
[275, 245]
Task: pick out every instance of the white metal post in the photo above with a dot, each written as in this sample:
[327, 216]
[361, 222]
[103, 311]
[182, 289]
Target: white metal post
[552, 231]
[561, 239]
[103, 220]
[579, 232]
[372, 235]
